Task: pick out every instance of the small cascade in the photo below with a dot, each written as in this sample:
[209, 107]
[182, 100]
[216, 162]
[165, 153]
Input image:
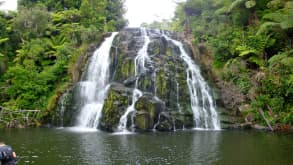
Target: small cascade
[123, 120]
[154, 79]
[61, 104]
[156, 125]
[94, 86]
[140, 62]
[203, 107]
[177, 96]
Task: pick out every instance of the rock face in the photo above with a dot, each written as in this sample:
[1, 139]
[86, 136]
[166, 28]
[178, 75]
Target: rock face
[165, 102]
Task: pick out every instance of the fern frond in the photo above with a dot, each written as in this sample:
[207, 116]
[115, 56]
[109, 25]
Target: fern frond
[289, 5]
[231, 61]
[2, 40]
[266, 27]
[275, 17]
[222, 11]
[285, 58]
[250, 4]
[248, 52]
[256, 60]
[235, 4]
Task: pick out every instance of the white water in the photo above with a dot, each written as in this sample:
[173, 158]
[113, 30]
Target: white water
[203, 107]
[156, 125]
[140, 67]
[62, 108]
[95, 86]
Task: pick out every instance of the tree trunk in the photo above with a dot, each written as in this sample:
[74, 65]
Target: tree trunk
[263, 115]
[253, 19]
[187, 30]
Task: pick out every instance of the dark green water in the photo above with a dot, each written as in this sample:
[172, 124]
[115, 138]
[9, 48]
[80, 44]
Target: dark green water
[62, 147]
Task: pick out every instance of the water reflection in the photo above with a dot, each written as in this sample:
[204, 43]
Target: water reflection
[205, 147]
[63, 147]
[249, 147]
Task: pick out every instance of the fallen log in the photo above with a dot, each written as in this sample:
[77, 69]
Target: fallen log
[267, 121]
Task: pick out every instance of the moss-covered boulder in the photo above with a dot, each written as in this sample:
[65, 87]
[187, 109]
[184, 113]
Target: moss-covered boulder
[148, 109]
[115, 105]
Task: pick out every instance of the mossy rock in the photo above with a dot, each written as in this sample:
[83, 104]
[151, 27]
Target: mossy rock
[115, 105]
[143, 121]
[183, 120]
[166, 123]
[148, 110]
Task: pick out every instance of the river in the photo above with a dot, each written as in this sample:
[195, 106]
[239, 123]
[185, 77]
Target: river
[42, 146]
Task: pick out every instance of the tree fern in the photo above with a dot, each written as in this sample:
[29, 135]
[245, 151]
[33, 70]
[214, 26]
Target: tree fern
[289, 5]
[276, 16]
[265, 27]
[275, 4]
[285, 58]
[2, 40]
[235, 4]
[283, 16]
[221, 11]
[287, 23]
[250, 4]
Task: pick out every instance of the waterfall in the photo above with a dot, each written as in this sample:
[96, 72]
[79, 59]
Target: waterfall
[202, 105]
[140, 61]
[94, 86]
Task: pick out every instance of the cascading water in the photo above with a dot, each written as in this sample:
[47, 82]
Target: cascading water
[140, 61]
[203, 107]
[94, 86]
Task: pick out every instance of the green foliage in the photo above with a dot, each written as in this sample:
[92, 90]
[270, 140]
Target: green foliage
[66, 16]
[250, 4]
[41, 43]
[284, 59]
[31, 23]
[2, 40]
[235, 4]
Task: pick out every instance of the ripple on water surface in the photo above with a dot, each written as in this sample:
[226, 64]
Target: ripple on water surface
[92, 147]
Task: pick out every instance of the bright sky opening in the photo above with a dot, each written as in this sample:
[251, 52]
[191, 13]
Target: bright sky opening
[140, 11]
[8, 5]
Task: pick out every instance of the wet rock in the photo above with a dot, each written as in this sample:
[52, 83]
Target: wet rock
[143, 121]
[260, 127]
[165, 103]
[148, 108]
[166, 122]
[115, 105]
[183, 120]
[163, 82]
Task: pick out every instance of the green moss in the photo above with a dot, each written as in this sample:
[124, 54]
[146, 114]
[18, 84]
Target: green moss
[156, 49]
[56, 94]
[161, 84]
[169, 51]
[142, 121]
[112, 109]
[125, 68]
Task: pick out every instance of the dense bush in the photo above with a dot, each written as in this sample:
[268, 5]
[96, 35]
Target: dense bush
[40, 43]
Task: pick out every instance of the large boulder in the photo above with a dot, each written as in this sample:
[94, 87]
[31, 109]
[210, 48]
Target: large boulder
[148, 108]
[115, 105]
